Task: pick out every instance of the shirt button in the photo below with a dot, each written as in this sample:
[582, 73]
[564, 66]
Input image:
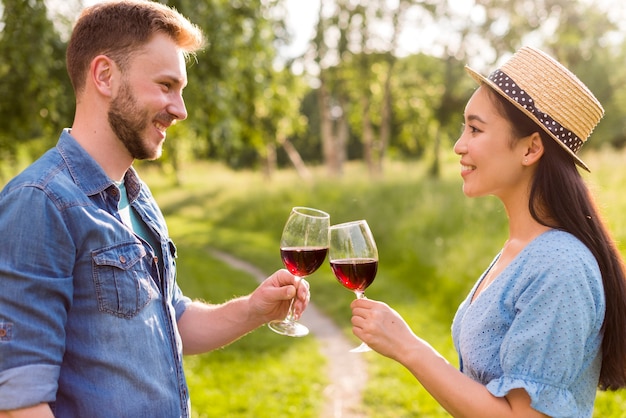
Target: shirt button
[3, 332]
[122, 259]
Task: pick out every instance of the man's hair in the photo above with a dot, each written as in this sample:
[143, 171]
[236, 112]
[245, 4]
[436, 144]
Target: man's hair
[119, 29]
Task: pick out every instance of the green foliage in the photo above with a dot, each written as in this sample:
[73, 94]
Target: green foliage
[238, 101]
[35, 94]
[433, 244]
[244, 100]
[426, 100]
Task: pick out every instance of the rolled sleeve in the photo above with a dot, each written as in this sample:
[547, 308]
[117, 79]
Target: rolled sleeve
[36, 294]
[40, 379]
[180, 302]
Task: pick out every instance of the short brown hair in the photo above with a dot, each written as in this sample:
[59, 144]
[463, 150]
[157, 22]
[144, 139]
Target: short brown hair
[119, 29]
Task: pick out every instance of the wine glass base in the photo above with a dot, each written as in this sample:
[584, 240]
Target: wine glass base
[289, 328]
[361, 349]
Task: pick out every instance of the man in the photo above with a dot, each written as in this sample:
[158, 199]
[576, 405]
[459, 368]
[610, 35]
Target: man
[92, 321]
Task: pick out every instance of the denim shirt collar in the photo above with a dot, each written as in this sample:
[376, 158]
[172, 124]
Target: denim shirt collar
[87, 173]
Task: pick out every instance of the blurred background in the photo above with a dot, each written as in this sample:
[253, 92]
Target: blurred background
[351, 106]
[307, 82]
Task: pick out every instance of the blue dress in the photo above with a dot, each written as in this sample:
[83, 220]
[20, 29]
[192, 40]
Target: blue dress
[538, 327]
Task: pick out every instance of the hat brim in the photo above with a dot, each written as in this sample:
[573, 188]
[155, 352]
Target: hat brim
[484, 80]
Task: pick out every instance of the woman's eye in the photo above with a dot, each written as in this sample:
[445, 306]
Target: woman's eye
[471, 128]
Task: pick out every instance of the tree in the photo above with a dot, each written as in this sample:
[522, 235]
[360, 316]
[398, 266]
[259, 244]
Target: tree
[428, 107]
[354, 62]
[35, 93]
[238, 101]
[580, 43]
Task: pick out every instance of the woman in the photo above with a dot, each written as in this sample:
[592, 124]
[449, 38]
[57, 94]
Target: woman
[545, 324]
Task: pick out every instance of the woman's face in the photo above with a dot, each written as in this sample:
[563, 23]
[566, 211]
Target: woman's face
[491, 161]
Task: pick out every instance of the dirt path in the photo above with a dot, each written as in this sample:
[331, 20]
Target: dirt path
[346, 371]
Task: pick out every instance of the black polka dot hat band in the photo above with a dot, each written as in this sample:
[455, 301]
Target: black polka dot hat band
[549, 94]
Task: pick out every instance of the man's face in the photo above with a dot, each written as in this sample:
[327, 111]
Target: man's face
[129, 122]
[149, 98]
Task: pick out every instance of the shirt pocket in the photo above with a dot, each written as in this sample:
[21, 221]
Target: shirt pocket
[122, 279]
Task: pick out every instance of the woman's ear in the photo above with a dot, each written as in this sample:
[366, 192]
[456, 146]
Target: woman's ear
[534, 149]
[101, 71]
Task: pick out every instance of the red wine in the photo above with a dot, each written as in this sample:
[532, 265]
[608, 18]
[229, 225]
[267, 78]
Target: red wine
[303, 261]
[355, 273]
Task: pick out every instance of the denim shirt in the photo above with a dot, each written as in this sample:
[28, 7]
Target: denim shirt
[87, 319]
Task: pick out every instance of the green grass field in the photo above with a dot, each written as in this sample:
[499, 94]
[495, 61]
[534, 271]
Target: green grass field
[433, 243]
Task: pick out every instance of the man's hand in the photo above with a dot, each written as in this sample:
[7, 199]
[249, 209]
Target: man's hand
[205, 327]
[272, 298]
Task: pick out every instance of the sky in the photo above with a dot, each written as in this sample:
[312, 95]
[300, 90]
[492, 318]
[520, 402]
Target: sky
[301, 22]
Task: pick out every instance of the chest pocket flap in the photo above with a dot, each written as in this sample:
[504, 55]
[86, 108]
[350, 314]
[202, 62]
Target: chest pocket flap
[122, 279]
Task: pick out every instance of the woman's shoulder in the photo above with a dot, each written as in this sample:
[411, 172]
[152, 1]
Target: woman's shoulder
[558, 245]
[558, 256]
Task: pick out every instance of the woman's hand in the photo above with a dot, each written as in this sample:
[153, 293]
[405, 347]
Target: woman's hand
[382, 328]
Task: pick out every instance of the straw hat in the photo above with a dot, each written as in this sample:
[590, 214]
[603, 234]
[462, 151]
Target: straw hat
[549, 94]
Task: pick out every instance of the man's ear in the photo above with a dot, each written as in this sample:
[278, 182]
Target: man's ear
[101, 73]
[534, 149]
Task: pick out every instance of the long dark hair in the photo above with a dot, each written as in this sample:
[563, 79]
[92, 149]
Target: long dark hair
[560, 199]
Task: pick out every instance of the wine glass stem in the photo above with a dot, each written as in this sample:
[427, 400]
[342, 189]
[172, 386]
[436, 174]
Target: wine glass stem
[359, 294]
[290, 315]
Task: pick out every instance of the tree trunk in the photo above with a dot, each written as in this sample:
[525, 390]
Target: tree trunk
[368, 133]
[385, 123]
[269, 162]
[329, 149]
[296, 160]
[435, 169]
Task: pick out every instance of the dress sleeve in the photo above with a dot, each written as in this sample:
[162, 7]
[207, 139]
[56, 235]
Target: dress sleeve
[36, 260]
[555, 333]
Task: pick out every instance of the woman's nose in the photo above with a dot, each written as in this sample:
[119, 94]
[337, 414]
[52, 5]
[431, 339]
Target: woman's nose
[459, 146]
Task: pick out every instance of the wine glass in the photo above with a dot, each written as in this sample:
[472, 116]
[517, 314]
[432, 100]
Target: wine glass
[354, 259]
[303, 248]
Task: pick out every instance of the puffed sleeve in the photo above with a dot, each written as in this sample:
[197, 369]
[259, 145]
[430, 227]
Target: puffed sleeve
[555, 334]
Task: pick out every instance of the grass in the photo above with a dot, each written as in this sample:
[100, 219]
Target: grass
[260, 375]
[243, 213]
[433, 243]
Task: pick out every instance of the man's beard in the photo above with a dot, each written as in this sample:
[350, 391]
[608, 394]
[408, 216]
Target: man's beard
[128, 122]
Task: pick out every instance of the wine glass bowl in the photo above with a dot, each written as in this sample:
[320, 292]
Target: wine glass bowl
[303, 249]
[303, 262]
[353, 259]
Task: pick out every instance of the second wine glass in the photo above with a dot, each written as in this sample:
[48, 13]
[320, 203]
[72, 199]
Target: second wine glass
[354, 259]
[303, 248]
